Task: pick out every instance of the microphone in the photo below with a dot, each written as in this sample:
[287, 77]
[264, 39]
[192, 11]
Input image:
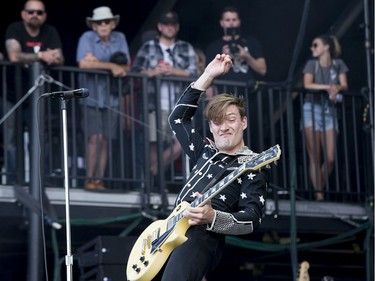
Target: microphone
[77, 93]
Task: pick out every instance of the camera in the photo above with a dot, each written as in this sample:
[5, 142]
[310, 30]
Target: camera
[233, 31]
[233, 48]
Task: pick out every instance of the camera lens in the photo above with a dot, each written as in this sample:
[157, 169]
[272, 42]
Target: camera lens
[233, 48]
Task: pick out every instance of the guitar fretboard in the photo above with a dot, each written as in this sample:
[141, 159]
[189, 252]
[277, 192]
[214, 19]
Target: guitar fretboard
[214, 190]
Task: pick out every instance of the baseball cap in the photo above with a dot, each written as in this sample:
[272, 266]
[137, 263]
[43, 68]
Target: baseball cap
[169, 17]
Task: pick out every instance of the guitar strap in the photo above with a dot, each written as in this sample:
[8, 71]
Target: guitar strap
[218, 175]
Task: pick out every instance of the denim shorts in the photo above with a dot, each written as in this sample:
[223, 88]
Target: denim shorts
[319, 117]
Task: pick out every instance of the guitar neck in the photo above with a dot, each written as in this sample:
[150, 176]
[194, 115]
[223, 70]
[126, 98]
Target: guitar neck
[214, 190]
[262, 159]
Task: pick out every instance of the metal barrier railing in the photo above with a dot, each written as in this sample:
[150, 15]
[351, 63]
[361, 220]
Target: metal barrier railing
[129, 155]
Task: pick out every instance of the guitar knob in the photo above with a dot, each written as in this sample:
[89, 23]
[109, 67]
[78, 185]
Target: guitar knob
[138, 270]
[134, 266]
[142, 258]
[145, 263]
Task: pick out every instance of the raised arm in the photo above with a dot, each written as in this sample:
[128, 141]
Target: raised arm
[219, 66]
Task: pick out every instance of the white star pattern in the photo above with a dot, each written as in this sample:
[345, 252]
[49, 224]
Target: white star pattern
[261, 199]
[177, 121]
[193, 195]
[243, 195]
[191, 146]
[223, 198]
[192, 131]
[209, 176]
[251, 176]
[239, 180]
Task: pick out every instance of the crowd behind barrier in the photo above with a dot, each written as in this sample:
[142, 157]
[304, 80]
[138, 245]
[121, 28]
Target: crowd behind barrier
[129, 155]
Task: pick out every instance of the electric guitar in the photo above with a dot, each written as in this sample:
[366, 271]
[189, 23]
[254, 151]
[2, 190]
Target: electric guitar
[161, 237]
[304, 271]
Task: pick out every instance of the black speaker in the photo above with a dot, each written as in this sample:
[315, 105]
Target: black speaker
[105, 272]
[105, 258]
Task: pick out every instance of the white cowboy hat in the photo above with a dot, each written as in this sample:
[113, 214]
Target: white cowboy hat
[102, 13]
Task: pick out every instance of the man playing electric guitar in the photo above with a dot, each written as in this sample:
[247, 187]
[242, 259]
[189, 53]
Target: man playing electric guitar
[238, 208]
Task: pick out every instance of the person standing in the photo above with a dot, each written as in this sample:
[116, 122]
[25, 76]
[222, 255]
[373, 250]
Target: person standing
[325, 72]
[245, 51]
[32, 39]
[238, 208]
[165, 56]
[100, 119]
[26, 42]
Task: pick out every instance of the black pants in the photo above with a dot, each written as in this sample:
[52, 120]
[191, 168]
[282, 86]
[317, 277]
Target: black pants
[192, 260]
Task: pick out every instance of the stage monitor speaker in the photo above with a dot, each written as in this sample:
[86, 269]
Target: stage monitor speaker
[105, 272]
[109, 250]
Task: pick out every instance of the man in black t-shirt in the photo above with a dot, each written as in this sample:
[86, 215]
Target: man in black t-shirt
[27, 41]
[245, 51]
[31, 39]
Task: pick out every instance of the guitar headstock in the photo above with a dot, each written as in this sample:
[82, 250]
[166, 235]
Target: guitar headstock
[304, 271]
[267, 157]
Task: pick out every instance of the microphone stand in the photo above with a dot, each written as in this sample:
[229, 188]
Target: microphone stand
[68, 257]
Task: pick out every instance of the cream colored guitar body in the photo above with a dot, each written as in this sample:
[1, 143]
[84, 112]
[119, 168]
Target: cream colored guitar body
[155, 245]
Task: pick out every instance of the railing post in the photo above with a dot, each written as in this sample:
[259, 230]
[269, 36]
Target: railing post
[36, 169]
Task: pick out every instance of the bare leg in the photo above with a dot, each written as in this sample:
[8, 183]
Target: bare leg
[153, 159]
[92, 156]
[176, 152]
[103, 157]
[313, 142]
[97, 155]
[169, 156]
[329, 141]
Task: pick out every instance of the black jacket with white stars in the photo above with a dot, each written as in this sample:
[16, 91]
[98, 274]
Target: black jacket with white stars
[240, 205]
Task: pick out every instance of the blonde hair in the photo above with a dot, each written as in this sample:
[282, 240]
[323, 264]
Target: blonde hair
[216, 108]
[334, 45]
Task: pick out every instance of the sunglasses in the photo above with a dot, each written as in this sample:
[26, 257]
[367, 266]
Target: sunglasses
[314, 45]
[99, 22]
[38, 12]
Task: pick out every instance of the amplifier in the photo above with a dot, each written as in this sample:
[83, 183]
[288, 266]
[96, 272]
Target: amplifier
[110, 250]
[105, 273]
